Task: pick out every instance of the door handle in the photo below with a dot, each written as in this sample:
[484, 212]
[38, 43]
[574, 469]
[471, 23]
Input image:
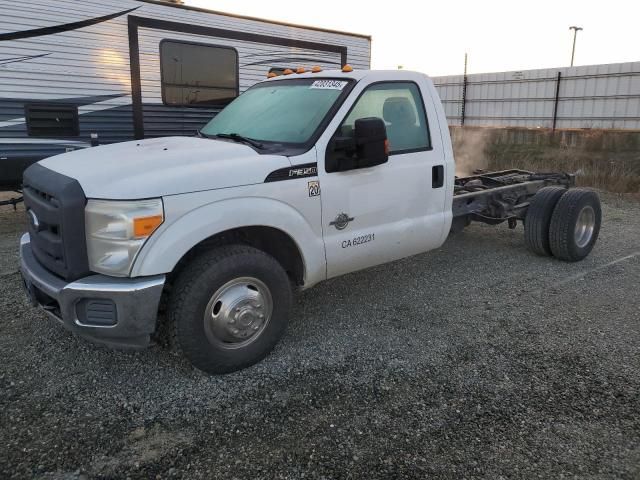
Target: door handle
[437, 176]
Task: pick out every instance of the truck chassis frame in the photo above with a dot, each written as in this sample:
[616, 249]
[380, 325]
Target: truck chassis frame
[502, 196]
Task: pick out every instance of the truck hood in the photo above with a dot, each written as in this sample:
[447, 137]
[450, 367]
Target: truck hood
[164, 166]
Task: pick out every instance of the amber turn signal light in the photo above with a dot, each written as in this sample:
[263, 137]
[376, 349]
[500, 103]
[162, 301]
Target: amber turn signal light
[145, 226]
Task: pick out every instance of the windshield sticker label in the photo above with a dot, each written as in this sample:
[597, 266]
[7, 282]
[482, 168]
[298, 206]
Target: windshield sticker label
[329, 84]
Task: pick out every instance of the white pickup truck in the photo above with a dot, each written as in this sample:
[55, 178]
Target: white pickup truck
[302, 178]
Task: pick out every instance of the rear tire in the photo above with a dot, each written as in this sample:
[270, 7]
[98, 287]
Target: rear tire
[575, 224]
[538, 219]
[229, 307]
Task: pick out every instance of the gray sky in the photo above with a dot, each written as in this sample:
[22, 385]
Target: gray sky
[499, 35]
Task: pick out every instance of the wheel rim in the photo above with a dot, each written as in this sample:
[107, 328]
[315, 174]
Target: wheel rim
[585, 226]
[238, 312]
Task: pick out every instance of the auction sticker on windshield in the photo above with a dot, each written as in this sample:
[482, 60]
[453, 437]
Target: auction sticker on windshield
[329, 84]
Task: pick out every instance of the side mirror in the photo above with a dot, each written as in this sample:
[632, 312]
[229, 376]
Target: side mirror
[371, 141]
[367, 148]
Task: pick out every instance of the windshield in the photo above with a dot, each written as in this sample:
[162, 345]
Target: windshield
[284, 111]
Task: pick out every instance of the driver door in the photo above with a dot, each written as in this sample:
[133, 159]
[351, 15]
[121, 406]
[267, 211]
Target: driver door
[377, 214]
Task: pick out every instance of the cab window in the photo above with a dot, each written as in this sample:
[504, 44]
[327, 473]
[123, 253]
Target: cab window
[400, 105]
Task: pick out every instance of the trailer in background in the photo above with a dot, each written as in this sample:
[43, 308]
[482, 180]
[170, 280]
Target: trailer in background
[102, 71]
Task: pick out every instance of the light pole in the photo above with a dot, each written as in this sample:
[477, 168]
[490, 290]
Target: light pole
[575, 33]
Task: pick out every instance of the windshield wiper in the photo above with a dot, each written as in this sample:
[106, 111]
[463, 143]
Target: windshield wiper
[240, 138]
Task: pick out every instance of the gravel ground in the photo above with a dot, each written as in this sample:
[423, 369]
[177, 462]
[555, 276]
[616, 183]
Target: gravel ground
[476, 360]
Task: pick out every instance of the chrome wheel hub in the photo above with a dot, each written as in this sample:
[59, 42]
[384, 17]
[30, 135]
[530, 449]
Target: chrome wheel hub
[238, 312]
[585, 226]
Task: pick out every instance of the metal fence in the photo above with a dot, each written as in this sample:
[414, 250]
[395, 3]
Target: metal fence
[594, 96]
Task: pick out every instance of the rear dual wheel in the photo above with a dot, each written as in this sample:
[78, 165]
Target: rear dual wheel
[563, 223]
[575, 224]
[538, 219]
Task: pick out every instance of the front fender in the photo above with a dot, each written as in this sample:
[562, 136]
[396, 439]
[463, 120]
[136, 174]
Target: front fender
[190, 226]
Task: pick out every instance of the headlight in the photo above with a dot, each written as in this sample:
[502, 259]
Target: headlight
[116, 231]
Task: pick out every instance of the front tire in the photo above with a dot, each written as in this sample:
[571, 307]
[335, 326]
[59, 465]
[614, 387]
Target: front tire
[229, 307]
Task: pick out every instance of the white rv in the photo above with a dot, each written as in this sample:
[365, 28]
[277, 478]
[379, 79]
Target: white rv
[129, 69]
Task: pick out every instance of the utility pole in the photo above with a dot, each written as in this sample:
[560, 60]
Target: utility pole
[575, 33]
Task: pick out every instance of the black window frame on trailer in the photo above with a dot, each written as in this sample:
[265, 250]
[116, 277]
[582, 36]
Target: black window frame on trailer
[55, 109]
[209, 104]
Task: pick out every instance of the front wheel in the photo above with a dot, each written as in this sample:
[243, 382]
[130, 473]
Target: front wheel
[229, 308]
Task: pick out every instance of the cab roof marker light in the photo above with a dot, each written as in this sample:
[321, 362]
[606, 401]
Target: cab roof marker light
[272, 74]
[347, 68]
[287, 71]
[316, 69]
[300, 70]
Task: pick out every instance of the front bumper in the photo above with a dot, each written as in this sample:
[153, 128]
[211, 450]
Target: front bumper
[118, 312]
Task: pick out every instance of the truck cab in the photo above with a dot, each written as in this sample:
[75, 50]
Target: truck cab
[301, 121]
[304, 177]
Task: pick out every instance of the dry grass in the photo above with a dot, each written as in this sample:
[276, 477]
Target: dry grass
[607, 160]
[613, 173]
